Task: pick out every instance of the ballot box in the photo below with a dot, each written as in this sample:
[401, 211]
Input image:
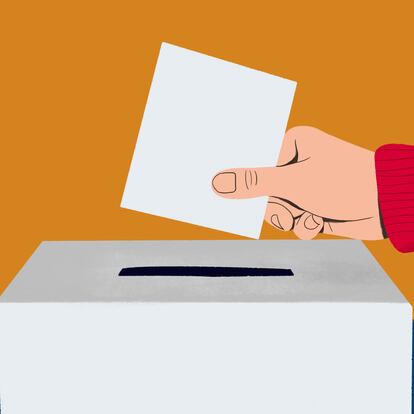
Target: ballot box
[204, 327]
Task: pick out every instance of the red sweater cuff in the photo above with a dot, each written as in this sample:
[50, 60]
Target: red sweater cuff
[394, 164]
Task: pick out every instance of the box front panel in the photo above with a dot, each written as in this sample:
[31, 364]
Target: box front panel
[205, 358]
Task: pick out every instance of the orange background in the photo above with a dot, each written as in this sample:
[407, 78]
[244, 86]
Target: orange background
[75, 76]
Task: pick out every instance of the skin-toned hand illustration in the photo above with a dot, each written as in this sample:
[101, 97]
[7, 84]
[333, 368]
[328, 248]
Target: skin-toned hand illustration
[322, 184]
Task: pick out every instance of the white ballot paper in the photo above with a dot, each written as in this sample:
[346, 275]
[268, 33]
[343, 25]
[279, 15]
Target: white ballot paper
[204, 115]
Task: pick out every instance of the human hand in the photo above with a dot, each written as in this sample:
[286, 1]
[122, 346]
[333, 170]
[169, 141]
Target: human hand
[321, 184]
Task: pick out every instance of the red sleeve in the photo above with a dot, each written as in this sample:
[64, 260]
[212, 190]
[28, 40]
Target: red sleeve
[394, 164]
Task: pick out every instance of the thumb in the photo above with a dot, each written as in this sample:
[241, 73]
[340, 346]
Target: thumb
[255, 182]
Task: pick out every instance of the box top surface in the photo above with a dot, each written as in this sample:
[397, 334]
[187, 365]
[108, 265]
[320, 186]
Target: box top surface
[87, 271]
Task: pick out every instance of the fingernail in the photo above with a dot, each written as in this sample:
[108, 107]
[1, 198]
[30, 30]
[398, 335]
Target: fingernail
[225, 182]
[275, 221]
[310, 223]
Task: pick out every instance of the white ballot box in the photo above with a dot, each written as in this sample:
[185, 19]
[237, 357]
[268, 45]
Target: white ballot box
[204, 327]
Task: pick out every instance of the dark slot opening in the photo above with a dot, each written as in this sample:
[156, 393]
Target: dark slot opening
[204, 271]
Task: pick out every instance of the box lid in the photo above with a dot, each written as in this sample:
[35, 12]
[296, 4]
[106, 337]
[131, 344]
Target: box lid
[88, 271]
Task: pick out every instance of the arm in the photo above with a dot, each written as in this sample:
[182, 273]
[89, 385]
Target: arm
[394, 166]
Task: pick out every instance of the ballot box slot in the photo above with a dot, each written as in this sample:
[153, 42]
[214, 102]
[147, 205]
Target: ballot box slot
[204, 271]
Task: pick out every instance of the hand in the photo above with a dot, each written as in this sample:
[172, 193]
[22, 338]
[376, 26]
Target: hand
[321, 184]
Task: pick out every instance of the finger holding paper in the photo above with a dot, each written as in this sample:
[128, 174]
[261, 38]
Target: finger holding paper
[320, 185]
